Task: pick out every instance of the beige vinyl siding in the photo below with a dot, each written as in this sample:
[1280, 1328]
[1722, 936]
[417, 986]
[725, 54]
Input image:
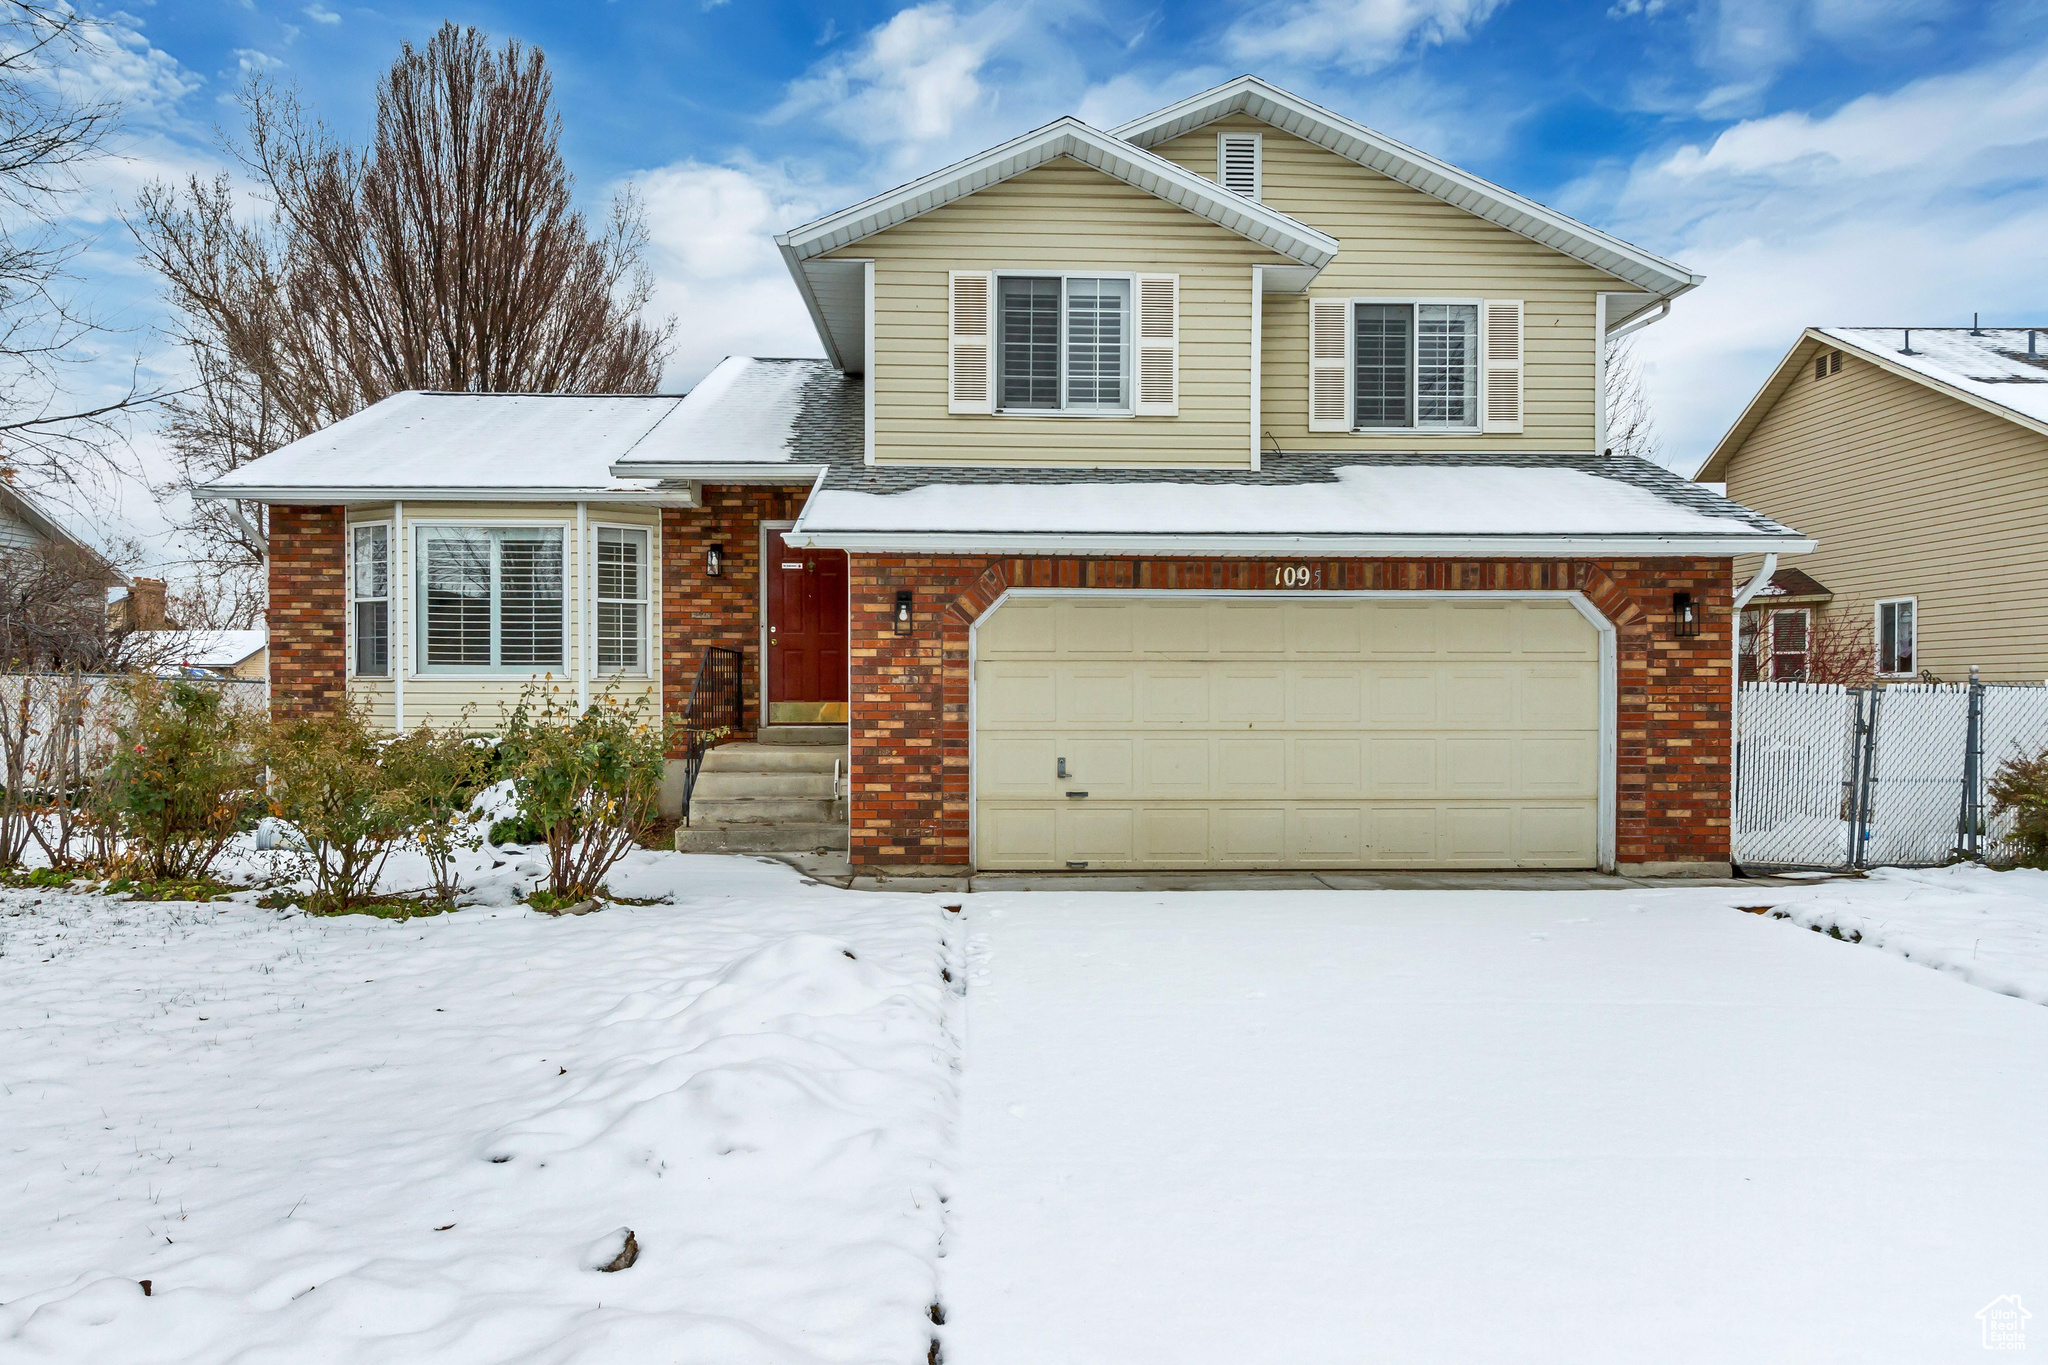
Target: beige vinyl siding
[441, 699]
[16, 534]
[1910, 493]
[1400, 243]
[1062, 216]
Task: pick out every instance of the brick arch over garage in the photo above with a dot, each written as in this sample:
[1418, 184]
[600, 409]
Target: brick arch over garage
[910, 791]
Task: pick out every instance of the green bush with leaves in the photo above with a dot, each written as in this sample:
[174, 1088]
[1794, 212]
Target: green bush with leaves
[588, 783]
[2020, 789]
[438, 770]
[186, 775]
[328, 783]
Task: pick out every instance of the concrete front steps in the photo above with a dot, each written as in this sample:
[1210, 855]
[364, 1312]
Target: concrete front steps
[773, 795]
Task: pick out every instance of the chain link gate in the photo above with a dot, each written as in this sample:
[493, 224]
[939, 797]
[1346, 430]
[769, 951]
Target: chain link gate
[1832, 778]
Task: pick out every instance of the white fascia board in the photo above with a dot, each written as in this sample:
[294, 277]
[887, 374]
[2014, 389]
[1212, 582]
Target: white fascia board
[811, 304]
[794, 472]
[312, 496]
[1067, 137]
[1265, 546]
[1417, 169]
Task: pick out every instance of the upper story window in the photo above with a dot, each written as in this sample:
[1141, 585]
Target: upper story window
[1416, 365]
[492, 598]
[1063, 343]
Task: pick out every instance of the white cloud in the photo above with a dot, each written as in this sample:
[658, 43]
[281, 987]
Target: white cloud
[320, 14]
[1913, 207]
[1362, 35]
[715, 262]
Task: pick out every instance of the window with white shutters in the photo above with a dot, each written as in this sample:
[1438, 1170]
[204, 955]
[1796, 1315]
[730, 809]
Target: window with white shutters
[371, 587]
[1238, 169]
[1414, 366]
[1063, 343]
[491, 598]
[621, 599]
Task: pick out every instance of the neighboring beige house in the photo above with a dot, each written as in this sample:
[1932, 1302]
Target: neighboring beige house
[239, 654]
[1225, 489]
[1918, 459]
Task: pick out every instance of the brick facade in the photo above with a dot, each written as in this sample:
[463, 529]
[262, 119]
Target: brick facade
[909, 766]
[307, 611]
[698, 610]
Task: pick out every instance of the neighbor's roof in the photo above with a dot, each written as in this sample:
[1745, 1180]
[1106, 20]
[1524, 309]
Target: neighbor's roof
[1793, 583]
[1988, 368]
[26, 508]
[833, 290]
[1418, 170]
[206, 648]
[1348, 503]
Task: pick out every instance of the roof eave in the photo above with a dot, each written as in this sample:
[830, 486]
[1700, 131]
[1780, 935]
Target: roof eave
[1418, 170]
[302, 495]
[1236, 545]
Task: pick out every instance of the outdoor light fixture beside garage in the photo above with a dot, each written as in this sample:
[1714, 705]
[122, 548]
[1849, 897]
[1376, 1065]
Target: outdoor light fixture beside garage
[1685, 616]
[903, 611]
[714, 561]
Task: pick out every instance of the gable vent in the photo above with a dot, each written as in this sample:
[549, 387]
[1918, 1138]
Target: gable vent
[1237, 163]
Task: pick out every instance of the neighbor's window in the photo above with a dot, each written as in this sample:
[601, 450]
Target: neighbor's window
[1063, 343]
[1897, 633]
[1415, 365]
[621, 599]
[1790, 632]
[372, 591]
[491, 597]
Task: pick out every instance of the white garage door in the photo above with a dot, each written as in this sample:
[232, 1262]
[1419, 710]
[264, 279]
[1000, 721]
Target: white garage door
[1184, 732]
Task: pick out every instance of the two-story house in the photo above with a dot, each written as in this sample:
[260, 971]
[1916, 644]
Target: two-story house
[1227, 489]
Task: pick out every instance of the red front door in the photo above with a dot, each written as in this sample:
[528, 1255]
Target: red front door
[806, 633]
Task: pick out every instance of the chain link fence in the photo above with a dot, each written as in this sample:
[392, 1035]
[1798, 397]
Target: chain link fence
[1830, 777]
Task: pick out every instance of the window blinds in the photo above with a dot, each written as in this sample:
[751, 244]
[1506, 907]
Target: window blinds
[621, 598]
[493, 597]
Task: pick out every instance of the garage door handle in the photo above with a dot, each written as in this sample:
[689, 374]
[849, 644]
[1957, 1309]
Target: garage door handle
[1072, 795]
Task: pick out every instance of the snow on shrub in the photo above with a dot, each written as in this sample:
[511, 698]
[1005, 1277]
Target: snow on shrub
[2020, 789]
[438, 770]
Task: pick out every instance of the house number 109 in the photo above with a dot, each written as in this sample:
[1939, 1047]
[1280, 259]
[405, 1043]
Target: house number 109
[1297, 576]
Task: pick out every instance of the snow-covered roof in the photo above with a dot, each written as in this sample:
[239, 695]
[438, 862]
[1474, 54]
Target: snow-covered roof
[751, 411]
[1990, 364]
[206, 648]
[1418, 170]
[1989, 368]
[1337, 503]
[447, 445]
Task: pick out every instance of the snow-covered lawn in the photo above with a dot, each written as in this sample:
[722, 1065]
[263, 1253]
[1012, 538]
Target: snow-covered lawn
[365, 1140]
[1492, 1126]
[1573, 1126]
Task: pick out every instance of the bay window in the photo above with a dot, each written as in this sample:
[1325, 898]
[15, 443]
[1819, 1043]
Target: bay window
[621, 599]
[1063, 343]
[370, 586]
[1415, 366]
[491, 599]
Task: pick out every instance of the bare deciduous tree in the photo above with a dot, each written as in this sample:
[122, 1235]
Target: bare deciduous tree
[1631, 427]
[47, 134]
[446, 255]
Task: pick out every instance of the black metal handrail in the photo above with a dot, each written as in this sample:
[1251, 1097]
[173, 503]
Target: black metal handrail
[715, 711]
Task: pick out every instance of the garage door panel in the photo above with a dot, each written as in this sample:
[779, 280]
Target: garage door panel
[1096, 694]
[1017, 765]
[1287, 733]
[1251, 768]
[1329, 696]
[1173, 695]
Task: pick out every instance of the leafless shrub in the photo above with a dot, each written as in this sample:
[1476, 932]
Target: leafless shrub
[1839, 649]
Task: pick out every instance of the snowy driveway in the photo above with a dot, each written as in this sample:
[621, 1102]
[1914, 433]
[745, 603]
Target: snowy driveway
[1495, 1126]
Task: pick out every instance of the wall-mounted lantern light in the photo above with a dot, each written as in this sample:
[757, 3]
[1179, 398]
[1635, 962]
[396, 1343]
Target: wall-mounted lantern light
[1685, 615]
[902, 622]
[714, 561]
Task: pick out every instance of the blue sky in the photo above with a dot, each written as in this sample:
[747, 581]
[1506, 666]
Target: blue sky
[1820, 161]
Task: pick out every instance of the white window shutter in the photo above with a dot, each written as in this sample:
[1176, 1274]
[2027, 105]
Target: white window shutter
[1329, 364]
[1237, 163]
[1158, 346]
[970, 334]
[1501, 400]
